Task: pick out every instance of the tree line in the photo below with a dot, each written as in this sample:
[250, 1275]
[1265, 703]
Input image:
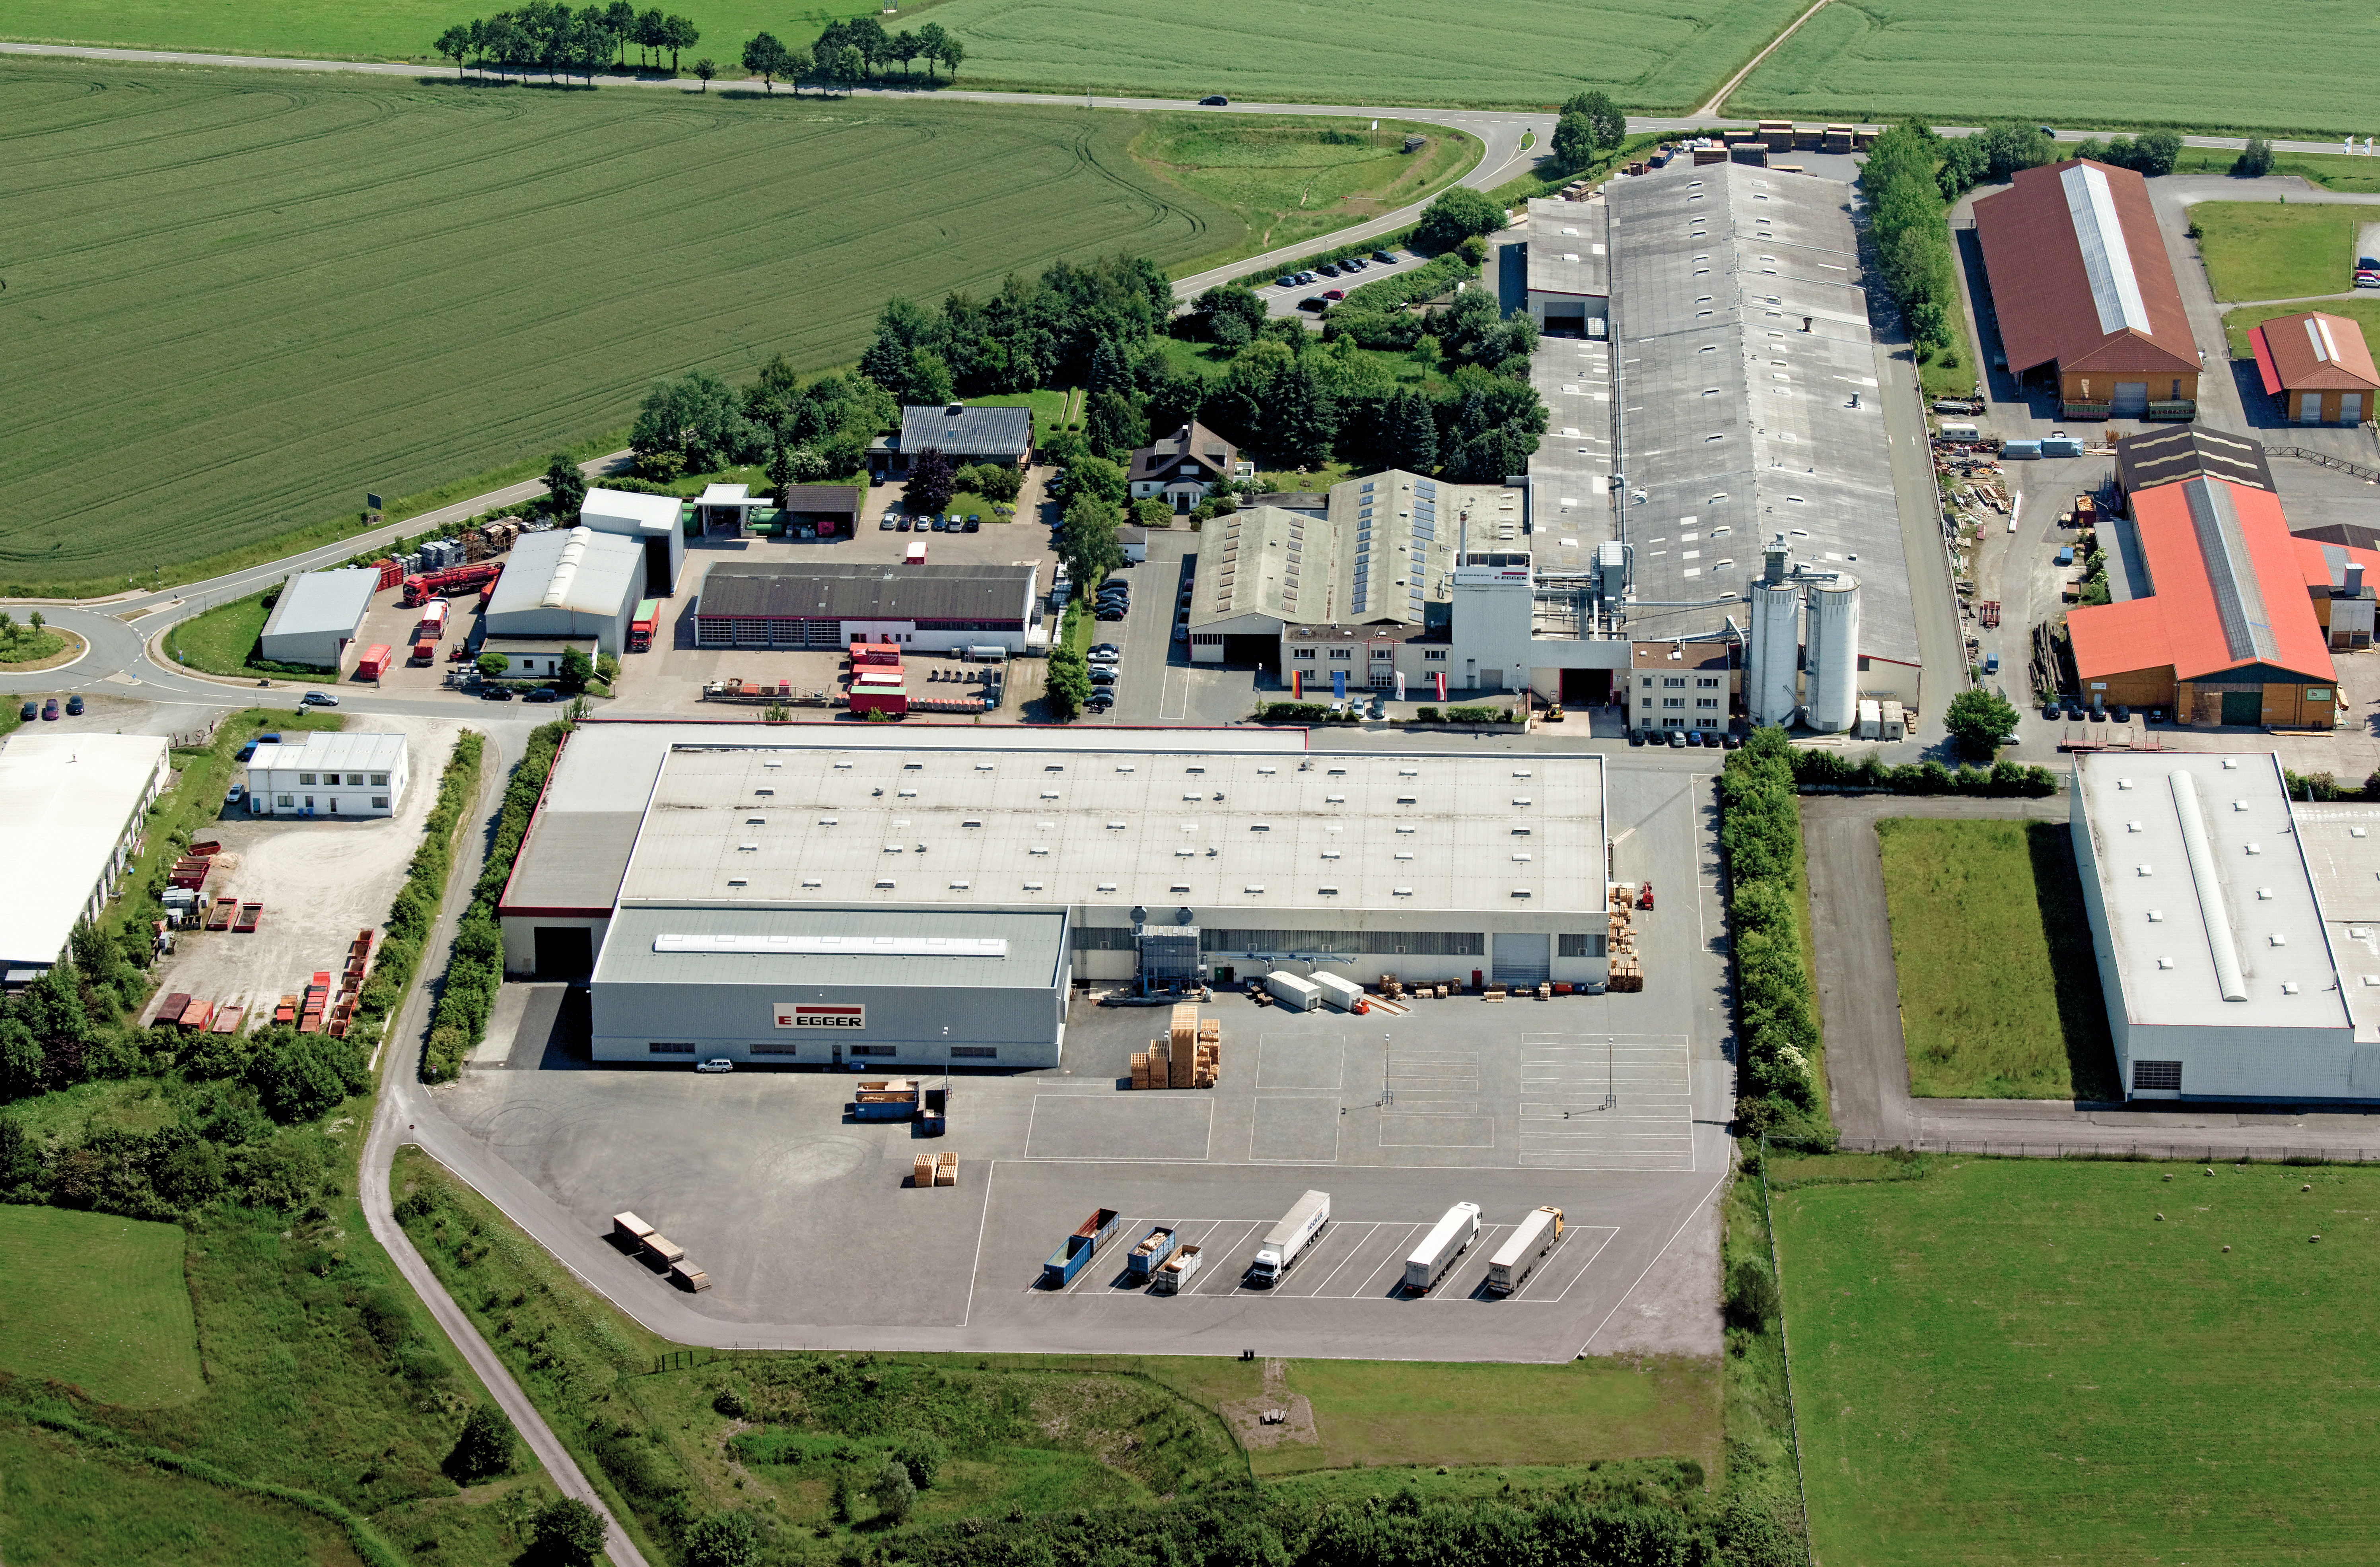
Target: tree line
[847, 53]
[545, 36]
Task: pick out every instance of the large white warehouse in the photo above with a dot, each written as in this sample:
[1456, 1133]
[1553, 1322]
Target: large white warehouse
[722, 882]
[2235, 934]
[72, 808]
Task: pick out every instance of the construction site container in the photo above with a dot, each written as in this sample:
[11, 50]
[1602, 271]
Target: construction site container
[1175, 1271]
[2020, 451]
[1153, 1249]
[2062, 446]
[1871, 718]
[629, 1230]
[1345, 995]
[1079, 1248]
[1286, 1241]
[1297, 994]
[1448, 1239]
[375, 662]
[892, 1100]
[1892, 721]
[1517, 1257]
[892, 701]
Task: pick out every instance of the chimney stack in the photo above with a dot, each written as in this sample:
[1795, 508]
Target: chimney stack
[2355, 579]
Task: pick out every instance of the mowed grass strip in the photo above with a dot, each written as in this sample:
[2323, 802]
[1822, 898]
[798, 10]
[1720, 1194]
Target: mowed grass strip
[1287, 178]
[1999, 991]
[252, 298]
[2016, 1362]
[1651, 55]
[63, 1504]
[100, 1302]
[2205, 63]
[2271, 250]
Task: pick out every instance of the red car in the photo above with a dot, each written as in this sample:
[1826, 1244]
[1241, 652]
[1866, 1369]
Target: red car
[1334, 295]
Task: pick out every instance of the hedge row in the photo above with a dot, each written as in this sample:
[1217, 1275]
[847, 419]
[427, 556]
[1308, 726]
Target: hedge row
[1406, 288]
[477, 971]
[1776, 1026]
[1831, 769]
[415, 910]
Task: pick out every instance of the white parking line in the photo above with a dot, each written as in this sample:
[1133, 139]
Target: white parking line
[1368, 1231]
[1397, 1255]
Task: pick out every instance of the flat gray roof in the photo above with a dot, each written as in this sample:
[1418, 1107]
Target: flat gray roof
[315, 602]
[2171, 958]
[1569, 250]
[1382, 552]
[862, 590]
[2341, 843]
[1031, 948]
[1735, 421]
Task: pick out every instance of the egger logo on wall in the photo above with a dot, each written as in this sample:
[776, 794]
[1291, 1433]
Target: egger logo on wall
[811, 1015]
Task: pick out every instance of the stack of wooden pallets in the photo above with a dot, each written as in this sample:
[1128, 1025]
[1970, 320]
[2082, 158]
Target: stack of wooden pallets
[1190, 1055]
[1627, 967]
[934, 1170]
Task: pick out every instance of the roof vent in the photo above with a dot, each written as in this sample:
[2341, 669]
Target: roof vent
[1416, 772]
[1124, 768]
[1406, 800]
[958, 886]
[2239, 805]
[1328, 891]
[764, 791]
[2264, 894]
[781, 763]
[1049, 794]
[756, 821]
[1521, 859]
[2355, 832]
[2289, 987]
[893, 849]
[1520, 892]
[1038, 848]
[811, 881]
[1404, 853]
[1266, 771]
[2279, 939]
[1255, 886]
[2255, 848]
[839, 766]
[1118, 827]
[2131, 827]
[2164, 962]
[2231, 764]
[1334, 799]
[1179, 887]
[1330, 854]
[826, 821]
[1402, 891]
[1033, 886]
[983, 766]
[971, 821]
[2147, 872]
[2123, 783]
[883, 881]
[1107, 887]
[737, 881]
[2156, 916]
[747, 849]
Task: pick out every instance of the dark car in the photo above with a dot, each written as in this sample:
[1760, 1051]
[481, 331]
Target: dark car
[1284, 281]
[1099, 700]
[1103, 674]
[1108, 612]
[32, 710]
[1315, 303]
[543, 694]
[495, 693]
[50, 710]
[1635, 737]
[975, 522]
[318, 699]
[906, 524]
[1693, 737]
[1328, 269]
[74, 706]
[1388, 256]
[1213, 100]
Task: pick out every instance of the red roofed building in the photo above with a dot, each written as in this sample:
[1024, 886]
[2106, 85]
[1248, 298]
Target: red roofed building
[2340, 580]
[2081, 283]
[2223, 631]
[2318, 368]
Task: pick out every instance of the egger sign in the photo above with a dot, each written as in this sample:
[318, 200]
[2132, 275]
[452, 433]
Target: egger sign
[815, 1015]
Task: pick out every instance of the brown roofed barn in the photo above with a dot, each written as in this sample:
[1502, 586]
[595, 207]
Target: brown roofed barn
[2317, 367]
[2083, 285]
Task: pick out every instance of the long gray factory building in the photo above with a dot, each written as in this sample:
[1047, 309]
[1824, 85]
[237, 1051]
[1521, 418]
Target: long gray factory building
[930, 899]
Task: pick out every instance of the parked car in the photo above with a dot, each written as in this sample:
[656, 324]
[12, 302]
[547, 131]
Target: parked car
[1315, 303]
[1328, 269]
[1305, 277]
[32, 710]
[887, 523]
[1334, 295]
[975, 522]
[543, 694]
[318, 699]
[50, 710]
[905, 524]
[1353, 264]
[1635, 737]
[716, 1064]
[74, 706]
[1105, 653]
[2367, 277]
[1099, 701]
[1731, 741]
[1284, 281]
[1213, 100]
[235, 794]
[1384, 256]
[1694, 738]
[1106, 611]
[496, 694]
[1677, 740]
[1103, 674]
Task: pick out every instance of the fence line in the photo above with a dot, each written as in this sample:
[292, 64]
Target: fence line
[2325, 459]
[2174, 1152]
[1784, 1347]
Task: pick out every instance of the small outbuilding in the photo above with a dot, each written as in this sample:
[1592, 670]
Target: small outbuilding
[316, 617]
[818, 511]
[570, 582]
[2317, 367]
[326, 774]
[653, 520]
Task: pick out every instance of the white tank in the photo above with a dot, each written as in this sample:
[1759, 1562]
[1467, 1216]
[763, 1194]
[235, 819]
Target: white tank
[1833, 664]
[1771, 684]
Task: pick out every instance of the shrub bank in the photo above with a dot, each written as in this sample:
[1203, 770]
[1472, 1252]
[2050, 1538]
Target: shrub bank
[1776, 1028]
[477, 971]
[415, 909]
[1831, 772]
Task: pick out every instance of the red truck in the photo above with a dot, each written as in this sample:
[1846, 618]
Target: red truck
[640, 630]
[422, 588]
[432, 627]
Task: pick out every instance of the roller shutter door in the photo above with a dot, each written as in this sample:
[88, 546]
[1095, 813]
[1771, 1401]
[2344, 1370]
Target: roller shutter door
[1522, 958]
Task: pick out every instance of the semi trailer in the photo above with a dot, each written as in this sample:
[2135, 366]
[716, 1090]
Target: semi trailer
[1447, 1240]
[1517, 1257]
[1286, 1241]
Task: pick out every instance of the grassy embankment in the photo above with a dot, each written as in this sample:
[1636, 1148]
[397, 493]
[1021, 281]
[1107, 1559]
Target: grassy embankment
[2006, 1361]
[670, 1434]
[2000, 994]
[396, 367]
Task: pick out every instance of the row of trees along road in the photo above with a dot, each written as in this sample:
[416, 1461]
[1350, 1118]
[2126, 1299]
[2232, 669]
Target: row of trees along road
[544, 36]
[849, 52]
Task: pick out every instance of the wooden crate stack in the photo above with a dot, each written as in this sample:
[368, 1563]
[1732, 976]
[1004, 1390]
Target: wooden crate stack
[934, 1170]
[1191, 1055]
[1207, 1054]
[1627, 969]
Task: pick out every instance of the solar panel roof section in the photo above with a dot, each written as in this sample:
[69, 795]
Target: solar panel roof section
[1737, 419]
[2239, 598]
[2107, 259]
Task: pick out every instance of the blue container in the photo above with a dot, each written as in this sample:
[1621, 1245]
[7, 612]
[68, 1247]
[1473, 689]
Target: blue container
[2020, 451]
[2062, 446]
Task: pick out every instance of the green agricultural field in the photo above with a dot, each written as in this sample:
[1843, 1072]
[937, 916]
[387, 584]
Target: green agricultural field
[2267, 251]
[1651, 56]
[2006, 1362]
[1290, 178]
[2197, 64]
[390, 29]
[64, 1505]
[249, 299]
[2363, 312]
[98, 1302]
[1999, 996]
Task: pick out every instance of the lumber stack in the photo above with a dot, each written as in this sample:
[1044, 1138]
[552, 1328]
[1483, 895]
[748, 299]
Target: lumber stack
[1627, 967]
[946, 1170]
[921, 1170]
[1190, 1055]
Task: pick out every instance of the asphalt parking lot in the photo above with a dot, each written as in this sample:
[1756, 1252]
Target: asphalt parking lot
[1280, 301]
[809, 1229]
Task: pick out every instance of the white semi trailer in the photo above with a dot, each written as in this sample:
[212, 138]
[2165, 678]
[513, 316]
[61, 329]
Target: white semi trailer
[1517, 1257]
[1287, 1240]
[1448, 1239]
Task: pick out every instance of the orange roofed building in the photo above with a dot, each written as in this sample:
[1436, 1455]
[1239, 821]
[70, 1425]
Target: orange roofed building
[2317, 367]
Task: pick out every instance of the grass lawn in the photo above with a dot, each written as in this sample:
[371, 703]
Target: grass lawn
[2197, 64]
[2270, 250]
[1048, 406]
[26, 648]
[2000, 994]
[100, 1302]
[2363, 312]
[2332, 170]
[225, 640]
[64, 1506]
[316, 331]
[1288, 178]
[2016, 1362]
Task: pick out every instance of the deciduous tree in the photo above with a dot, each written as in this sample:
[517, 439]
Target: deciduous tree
[931, 482]
[1977, 718]
[566, 487]
[568, 1530]
[765, 59]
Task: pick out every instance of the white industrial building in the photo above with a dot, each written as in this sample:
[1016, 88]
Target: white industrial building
[318, 617]
[569, 583]
[329, 774]
[72, 807]
[723, 885]
[653, 521]
[2235, 934]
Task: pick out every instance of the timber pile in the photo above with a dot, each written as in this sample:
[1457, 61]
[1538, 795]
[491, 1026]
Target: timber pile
[1627, 967]
[1191, 1055]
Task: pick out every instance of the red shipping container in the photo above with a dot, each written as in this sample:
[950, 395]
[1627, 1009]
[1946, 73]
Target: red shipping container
[374, 663]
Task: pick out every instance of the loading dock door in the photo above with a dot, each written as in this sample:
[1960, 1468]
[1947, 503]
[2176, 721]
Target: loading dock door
[657, 572]
[2243, 707]
[1522, 957]
[1585, 688]
[1260, 652]
[564, 952]
[2132, 399]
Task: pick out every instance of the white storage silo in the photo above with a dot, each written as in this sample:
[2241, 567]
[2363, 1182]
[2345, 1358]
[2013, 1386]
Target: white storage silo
[1772, 658]
[1833, 664]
